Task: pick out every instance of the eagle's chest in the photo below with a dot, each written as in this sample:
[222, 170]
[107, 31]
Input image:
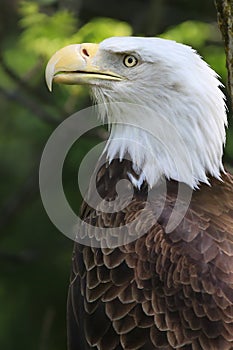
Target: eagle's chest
[156, 290]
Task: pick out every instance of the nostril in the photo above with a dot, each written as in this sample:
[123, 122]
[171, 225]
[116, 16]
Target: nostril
[85, 52]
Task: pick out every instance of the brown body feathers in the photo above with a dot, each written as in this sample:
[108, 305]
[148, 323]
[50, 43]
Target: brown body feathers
[163, 290]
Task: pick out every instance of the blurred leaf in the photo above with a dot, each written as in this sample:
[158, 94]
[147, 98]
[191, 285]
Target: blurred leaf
[44, 34]
[192, 33]
[101, 28]
[24, 60]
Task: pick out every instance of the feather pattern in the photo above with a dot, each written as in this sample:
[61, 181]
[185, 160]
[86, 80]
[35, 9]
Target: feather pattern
[161, 291]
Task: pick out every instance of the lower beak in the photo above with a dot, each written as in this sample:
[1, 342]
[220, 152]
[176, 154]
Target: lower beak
[74, 64]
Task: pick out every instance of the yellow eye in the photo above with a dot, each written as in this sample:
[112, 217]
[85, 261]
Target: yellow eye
[130, 61]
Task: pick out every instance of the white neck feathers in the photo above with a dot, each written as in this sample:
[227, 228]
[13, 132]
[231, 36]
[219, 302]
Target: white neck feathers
[170, 119]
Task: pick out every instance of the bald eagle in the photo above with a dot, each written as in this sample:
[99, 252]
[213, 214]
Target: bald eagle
[162, 288]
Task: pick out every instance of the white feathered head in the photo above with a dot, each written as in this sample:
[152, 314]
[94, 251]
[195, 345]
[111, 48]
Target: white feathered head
[162, 100]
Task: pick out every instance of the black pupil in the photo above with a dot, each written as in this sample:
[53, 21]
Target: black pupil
[130, 60]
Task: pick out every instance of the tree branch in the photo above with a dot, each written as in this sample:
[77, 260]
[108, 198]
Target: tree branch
[225, 22]
[29, 104]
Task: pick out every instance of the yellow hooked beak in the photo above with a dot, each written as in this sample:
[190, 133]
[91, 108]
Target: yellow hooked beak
[76, 64]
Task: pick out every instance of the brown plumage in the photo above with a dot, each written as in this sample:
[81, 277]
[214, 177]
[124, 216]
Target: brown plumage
[165, 289]
[162, 291]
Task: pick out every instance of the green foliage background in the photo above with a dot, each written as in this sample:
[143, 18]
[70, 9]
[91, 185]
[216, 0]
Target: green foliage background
[35, 258]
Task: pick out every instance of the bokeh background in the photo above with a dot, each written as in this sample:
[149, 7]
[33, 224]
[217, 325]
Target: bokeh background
[34, 256]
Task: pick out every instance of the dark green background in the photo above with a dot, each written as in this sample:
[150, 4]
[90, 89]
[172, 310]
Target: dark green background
[34, 256]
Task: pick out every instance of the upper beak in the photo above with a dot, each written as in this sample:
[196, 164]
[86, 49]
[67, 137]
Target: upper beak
[74, 64]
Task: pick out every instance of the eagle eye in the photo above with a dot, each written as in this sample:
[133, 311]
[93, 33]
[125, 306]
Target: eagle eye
[130, 61]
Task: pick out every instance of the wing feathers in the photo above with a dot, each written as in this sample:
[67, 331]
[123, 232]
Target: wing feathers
[162, 291]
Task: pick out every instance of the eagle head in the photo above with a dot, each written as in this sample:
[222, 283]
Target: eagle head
[162, 101]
